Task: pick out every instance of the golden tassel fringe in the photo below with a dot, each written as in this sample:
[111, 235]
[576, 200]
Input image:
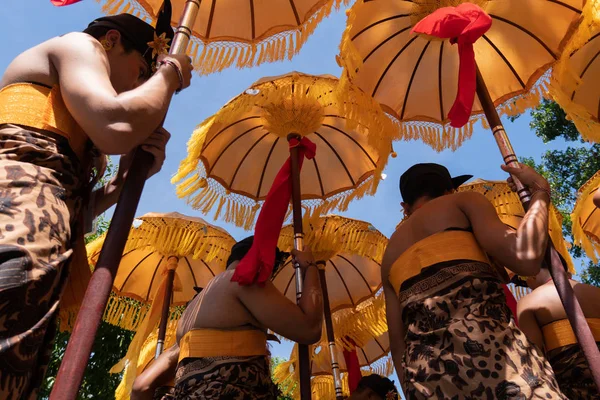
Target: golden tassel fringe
[584, 238]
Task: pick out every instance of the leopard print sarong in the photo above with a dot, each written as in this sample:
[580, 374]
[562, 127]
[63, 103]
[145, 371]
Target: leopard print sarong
[461, 340]
[164, 393]
[39, 202]
[233, 378]
[573, 373]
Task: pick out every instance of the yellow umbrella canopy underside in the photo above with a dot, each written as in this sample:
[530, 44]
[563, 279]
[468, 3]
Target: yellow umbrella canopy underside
[240, 33]
[234, 156]
[511, 211]
[202, 250]
[415, 78]
[575, 85]
[586, 219]
[352, 250]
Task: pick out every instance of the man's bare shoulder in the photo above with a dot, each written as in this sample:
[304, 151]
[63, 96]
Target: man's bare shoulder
[74, 42]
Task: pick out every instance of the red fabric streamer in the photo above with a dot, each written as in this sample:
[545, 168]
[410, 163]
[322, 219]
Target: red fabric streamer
[511, 302]
[61, 3]
[257, 265]
[353, 367]
[463, 25]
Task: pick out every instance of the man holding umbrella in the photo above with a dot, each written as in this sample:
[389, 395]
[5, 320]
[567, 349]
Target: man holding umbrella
[64, 105]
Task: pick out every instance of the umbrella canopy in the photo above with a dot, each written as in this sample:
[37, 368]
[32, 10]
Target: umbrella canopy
[415, 77]
[352, 251]
[233, 156]
[244, 34]
[574, 84]
[586, 219]
[511, 212]
[201, 248]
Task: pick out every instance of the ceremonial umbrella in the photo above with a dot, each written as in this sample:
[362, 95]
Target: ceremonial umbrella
[165, 260]
[244, 34]
[504, 47]
[349, 254]
[234, 157]
[586, 218]
[574, 84]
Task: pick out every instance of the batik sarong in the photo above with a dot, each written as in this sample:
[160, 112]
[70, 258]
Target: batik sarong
[164, 393]
[40, 182]
[232, 378]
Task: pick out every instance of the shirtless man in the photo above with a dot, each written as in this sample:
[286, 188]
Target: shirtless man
[543, 319]
[64, 105]
[229, 354]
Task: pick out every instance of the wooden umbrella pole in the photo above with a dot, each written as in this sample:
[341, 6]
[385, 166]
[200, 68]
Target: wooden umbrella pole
[559, 276]
[164, 317]
[335, 365]
[79, 348]
[303, 355]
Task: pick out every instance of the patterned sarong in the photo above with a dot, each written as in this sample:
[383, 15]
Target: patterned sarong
[573, 373]
[164, 393]
[461, 340]
[234, 378]
[40, 179]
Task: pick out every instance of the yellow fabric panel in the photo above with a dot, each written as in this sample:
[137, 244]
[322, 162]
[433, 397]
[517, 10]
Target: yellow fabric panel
[559, 333]
[215, 343]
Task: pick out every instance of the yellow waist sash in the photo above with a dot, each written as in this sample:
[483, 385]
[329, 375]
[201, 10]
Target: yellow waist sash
[441, 247]
[199, 343]
[559, 333]
[40, 107]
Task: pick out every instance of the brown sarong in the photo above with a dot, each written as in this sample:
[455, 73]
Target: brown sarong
[40, 198]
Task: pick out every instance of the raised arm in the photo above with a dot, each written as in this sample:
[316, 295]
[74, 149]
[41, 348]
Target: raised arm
[300, 323]
[522, 250]
[159, 373]
[116, 123]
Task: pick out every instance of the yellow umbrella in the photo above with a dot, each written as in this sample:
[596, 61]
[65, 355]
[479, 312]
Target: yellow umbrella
[586, 219]
[164, 260]
[244, 34]
[574, 86]
[415, 77]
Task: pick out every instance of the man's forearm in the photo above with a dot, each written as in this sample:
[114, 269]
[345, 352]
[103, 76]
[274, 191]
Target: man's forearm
[106, 196]
[311, 302]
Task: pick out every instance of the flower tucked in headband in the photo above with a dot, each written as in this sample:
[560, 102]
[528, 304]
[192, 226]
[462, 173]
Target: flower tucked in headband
[391, 395]
[160, 44]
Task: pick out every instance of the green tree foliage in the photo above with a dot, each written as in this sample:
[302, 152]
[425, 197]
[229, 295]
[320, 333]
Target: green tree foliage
[275, 361]
[566, 170]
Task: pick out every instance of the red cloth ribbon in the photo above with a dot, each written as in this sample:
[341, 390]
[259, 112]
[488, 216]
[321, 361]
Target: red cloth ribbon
[511, 302]
[463, 25]
[257, 265]
[352, 366]
[60, 3]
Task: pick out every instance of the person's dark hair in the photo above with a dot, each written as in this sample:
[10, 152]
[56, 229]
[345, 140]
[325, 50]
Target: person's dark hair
[429, 185]
[428, 180]
[381, 385]
[241, 248]
[98, 32]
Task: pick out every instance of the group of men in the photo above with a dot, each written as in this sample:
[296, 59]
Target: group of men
[70, 101]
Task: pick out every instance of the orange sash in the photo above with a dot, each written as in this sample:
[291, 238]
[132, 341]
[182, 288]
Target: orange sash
[559, 333]
[199, 343]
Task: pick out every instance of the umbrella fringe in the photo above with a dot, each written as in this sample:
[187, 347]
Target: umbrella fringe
[565, 81]
[587, 240]
[218, 55]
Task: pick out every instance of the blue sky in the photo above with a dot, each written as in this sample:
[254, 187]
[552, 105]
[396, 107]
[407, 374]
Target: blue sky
[25, 23]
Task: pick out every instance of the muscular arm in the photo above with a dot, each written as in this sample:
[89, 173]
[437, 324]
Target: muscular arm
[521, 250]
[159, 373]
[300, 323]
[528, 322]
[116, 123]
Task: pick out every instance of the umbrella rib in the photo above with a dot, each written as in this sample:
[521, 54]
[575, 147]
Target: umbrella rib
[343, 282]
[384, 42]
[357, 270]
[351, 138]
[440, 91]
[262, 175]
[338, 157]
[391, 63]
[508, 63]
[192, 271]
[295, 12]
[252, 19]
[574, 9]
[412, 77]
[379, 344]
[519, 27]
[229, 145]
[244, 158]
[319, 176]
[289, 282]
[588, 65]
[134, 268]
[374, 24]
[227, 127]
[152, 280]
[210, 18]
[365, 355]
[589, 216]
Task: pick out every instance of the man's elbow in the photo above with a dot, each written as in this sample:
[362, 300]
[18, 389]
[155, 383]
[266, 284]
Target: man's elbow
[530, 262]
[312, 335]
[115, 140]
[596, 199]
[140, 387]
